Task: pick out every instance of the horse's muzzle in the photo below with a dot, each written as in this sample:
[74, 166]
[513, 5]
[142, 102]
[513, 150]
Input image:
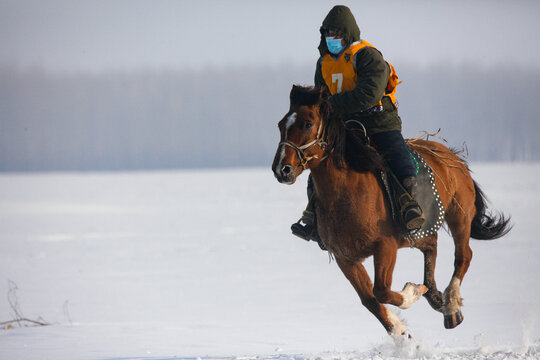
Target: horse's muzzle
[286, 174]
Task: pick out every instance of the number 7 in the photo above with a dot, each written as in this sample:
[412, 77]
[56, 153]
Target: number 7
[339, 78]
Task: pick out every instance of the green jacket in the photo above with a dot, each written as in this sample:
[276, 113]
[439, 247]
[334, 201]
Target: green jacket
[372, 71]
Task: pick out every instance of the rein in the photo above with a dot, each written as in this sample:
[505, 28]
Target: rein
[302, 149]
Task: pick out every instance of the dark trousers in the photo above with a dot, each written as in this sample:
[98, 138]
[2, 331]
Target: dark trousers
[391, 145]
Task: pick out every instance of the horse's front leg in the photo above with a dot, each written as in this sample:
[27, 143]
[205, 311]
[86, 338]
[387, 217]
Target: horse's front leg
[359, 278]
[384, 260]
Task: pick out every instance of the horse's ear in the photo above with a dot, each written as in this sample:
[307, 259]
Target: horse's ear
[292, 95]
[305, 95]
[295, 93]
[324, 93]
[324, 107]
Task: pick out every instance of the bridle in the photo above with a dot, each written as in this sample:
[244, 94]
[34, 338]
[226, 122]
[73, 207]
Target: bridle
[302, 149]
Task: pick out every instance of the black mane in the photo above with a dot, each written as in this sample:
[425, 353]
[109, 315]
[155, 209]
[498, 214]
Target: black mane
[349, 148]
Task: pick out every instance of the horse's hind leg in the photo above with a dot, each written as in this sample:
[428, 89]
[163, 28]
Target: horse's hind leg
[452, 301]
[359, 278]
[428, 246]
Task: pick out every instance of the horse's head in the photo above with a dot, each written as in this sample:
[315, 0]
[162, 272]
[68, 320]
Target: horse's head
[302, 144]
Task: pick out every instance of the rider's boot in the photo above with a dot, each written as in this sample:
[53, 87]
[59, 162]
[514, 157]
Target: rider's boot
[308, 231]
[412, 214]
[308, 228]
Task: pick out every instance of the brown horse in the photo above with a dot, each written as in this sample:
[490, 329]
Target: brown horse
[354, 218]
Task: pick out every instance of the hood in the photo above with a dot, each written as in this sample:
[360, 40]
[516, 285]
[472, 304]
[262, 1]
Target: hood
[341, 19]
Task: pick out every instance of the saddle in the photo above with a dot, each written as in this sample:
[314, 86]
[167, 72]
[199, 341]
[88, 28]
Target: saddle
[427, 197]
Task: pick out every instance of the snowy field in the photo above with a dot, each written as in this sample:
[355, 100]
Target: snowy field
[201, 264]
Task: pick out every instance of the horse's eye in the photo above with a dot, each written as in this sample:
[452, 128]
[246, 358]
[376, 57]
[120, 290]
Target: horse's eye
[308, 125]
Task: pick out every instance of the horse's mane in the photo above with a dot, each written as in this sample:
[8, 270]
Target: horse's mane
[348, 147]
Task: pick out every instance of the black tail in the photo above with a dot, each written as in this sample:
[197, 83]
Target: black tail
[486, 226]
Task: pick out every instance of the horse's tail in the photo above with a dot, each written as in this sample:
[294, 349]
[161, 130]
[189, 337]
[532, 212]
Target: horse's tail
[487, 226]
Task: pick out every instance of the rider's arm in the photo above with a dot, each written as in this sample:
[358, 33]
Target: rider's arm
[373, 73]
[319, 80]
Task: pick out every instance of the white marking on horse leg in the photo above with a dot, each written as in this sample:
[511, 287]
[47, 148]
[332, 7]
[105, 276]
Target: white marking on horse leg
[452, 301]
[411, 293]
[398, 327]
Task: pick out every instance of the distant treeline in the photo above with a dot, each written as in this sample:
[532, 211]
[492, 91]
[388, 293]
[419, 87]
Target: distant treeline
[228, 117]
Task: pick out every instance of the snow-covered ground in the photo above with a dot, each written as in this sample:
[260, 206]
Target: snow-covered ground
[201, 264]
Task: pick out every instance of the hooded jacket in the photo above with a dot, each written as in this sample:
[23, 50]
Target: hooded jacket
[372, 77]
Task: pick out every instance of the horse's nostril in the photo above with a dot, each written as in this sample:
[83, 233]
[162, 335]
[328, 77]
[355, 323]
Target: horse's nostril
[286, 170]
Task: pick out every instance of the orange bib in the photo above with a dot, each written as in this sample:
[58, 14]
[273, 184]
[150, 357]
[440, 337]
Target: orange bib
[340, 74]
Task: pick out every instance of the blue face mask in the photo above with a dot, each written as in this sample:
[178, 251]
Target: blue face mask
[334, 45]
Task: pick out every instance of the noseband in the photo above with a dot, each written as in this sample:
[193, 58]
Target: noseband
[302, 149]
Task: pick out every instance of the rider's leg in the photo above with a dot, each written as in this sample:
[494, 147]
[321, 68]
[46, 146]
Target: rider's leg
[308, 216]
[308, 230]
[396, 153]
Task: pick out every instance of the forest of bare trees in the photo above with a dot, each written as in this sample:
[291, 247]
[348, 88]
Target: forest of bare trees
[228, 117]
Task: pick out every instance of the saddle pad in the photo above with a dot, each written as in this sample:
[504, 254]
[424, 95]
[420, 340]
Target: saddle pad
[427, 197]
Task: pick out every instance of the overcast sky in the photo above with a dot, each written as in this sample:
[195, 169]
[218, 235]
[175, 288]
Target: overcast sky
[126, 35]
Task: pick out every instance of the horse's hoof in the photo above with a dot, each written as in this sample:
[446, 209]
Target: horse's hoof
[453, 320]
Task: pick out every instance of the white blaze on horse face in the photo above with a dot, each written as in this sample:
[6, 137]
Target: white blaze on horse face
[291, 119]
[290, 122]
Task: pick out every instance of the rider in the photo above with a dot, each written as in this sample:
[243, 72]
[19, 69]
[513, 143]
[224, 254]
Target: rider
[362, 85]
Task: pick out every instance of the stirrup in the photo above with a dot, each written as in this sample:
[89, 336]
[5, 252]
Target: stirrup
[417, 220]
[415, 223]
[408, 204]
